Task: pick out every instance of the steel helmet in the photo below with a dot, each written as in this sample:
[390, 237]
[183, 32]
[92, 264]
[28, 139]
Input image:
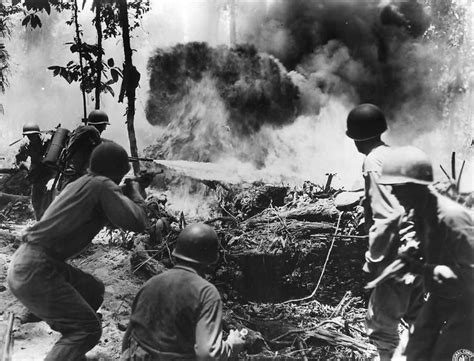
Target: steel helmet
[31, 128]
[110, 160]
[404, 165]
[197, 243]
[97, 116]
[365, 121]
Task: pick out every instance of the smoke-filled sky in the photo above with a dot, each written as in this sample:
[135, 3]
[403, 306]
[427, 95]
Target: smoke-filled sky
[406, 57]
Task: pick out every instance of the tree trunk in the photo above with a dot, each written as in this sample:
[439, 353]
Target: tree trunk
[98, 27]
[79, 44]
[130, 80]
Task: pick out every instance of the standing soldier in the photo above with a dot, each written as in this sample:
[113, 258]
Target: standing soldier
[395, 299]
[445, 229]
[177, 315]
[58, 293]
[82, 141]
[38, 173]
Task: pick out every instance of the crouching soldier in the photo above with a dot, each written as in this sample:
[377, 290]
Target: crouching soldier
[38, 173]
[445, 230]
[62, 295]
[177, 315]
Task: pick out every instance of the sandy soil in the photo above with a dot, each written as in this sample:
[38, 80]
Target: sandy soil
[108, 263]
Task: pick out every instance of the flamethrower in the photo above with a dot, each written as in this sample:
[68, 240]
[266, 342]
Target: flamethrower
[50, 131]
[140, 159]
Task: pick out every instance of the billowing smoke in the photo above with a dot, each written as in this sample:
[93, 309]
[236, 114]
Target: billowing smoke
[334, 53]
[254, 87]
[405, 56]
[400, 55]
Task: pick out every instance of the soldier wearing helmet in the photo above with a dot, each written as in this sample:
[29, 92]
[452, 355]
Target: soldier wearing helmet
[38, 173]
[389, 229]
[446, 232]
[81, 142]
[177, 315]
[63, 296]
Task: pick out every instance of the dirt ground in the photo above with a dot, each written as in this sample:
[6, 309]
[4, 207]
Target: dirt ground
[249, 272]
[111, 264]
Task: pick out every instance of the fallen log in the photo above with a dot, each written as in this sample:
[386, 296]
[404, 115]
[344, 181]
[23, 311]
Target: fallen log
[301, 229]
[337, 338]
[313, 212]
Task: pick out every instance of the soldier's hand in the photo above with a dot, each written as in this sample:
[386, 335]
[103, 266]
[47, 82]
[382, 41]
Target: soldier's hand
[131, 189]
[443, 274]
[236, 340]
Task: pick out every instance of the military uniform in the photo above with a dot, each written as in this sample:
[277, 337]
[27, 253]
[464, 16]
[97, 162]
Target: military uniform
[62, 295]
[38, 174]
[75, 158]
[445, 323]
[394, 299]
[176, 316]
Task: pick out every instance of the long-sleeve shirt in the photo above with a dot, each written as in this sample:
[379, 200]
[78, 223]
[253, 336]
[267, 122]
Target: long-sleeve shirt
[80, 211]
[35, 150]
[383, 212]
[446, 231]
[179, 312]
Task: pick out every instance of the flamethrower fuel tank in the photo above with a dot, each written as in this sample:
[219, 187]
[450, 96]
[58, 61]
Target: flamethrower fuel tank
[58, 141]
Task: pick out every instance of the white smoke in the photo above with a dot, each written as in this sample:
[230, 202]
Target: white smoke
[309, 148]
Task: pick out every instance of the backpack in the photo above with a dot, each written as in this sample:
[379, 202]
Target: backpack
[74, 158]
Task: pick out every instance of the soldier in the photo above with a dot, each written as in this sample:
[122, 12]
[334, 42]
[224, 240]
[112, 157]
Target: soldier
[82, 141]
[177, 315]
[38, 173]
[444, 325]
[395, 299]
[58, 293]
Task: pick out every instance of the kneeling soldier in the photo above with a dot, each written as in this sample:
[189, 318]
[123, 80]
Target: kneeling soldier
[177, 315]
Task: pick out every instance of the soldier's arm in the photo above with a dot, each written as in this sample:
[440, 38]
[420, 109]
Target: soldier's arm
[22, 154]
[122, 211]
[387, 216]
[456, 267]
[462, 237]
[210, 344]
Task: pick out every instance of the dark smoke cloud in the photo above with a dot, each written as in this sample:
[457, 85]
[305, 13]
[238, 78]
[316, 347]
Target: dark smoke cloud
[254, 87]
[370, 34]
[362, 51]
[315, 59]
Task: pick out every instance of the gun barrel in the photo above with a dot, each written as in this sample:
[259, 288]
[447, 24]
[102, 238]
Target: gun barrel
[140, 159]
[16, 141]
[8, 170]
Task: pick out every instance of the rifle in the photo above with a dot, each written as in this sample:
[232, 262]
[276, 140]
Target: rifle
[9, 170]
[50, 131]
